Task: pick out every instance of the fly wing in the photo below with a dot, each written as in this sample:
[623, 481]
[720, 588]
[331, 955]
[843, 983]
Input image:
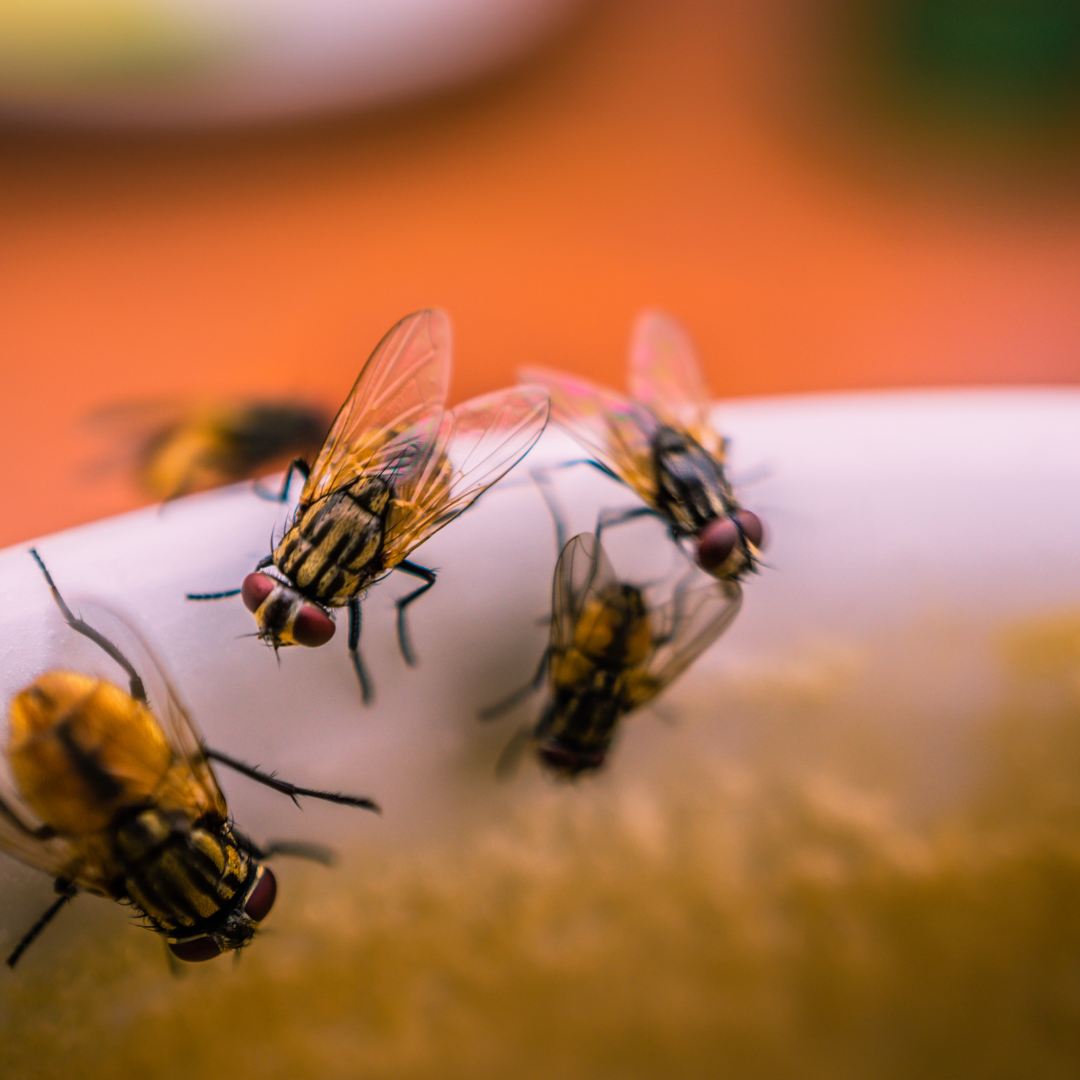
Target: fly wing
[683, 629]
[666, 378]
[583, 572]
[614, 429]
[473, 446]
[21, 839]
[188, 782]
[405, 380]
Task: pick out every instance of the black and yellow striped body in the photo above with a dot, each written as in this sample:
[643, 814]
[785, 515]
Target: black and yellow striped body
[189, 880]
[334, 548]
[596, 680]
[691, 488]
[140, 822]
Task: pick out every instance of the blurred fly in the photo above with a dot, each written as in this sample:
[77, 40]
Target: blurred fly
[382, 484]
[177, 450]
[610, 652]
[661, 444]
[112, 798]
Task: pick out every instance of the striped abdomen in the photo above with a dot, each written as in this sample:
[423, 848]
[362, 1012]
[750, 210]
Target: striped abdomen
[187, 879]
[334, 548]
[582, 718]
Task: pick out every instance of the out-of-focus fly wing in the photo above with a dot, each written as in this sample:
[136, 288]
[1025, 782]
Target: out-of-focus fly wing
[188, 784]
[666, 378]
[615, 430]
[582, 572]
[136, 430]
[475, 444]
[56, 855]
[683, 629]
[192, 782]
[510, 758]
[404, 381]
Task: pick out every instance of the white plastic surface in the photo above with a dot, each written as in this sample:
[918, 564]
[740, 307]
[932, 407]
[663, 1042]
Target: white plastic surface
[885, 513]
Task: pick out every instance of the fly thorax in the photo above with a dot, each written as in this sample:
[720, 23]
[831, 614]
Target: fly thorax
[584, 716]
[691, 489]
[334, 548]
[577, 730]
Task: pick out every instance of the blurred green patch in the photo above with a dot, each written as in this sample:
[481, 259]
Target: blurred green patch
[986, 61]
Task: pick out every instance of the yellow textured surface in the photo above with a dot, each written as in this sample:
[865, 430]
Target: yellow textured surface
[690, 922]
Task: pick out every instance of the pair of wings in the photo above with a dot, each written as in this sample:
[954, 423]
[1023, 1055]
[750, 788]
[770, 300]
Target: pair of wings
[681, 628]
[188, 783]
[666, 388]
[394, 424]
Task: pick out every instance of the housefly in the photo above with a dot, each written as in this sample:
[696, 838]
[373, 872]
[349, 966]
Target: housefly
[177, 449]
[610, 652]
[660, 443]
[114, 798]
[383, 483]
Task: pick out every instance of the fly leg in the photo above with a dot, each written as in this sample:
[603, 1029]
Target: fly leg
[296, 849]
[542, 479]
[271, 780]
[138, 691]
[66, 890]
[262, 564]
[428, 577]
[366, 692]
[211, 595]
[299, 465]
[610, 518]
[607, 518]
[520, 694]
[599, 466]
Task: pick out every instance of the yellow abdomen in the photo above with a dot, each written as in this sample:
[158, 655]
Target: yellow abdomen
[81, 749]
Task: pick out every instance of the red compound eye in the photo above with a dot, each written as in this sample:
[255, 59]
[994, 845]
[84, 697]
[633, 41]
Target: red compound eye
[312, 627]
[256, 588]
[262, 897]
[719, 538]
[196, 950]
[752, 527]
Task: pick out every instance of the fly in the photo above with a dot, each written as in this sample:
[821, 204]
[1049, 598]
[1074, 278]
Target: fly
[660, 443]
[610, 652]
[113, 798]
[382, 484]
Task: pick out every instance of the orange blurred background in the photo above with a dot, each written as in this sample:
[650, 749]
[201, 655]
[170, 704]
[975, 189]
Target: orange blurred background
[689, 155]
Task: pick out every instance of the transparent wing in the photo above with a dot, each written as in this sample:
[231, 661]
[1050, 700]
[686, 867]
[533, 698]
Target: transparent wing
[614, 429]
[405, 379]
[56, 855]
[134, 430]
[666, 378]
[187, 781]
[182, 780]
[190, 783]
[684, 628]
[509, 761]
[474, 445]
[583, 571]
